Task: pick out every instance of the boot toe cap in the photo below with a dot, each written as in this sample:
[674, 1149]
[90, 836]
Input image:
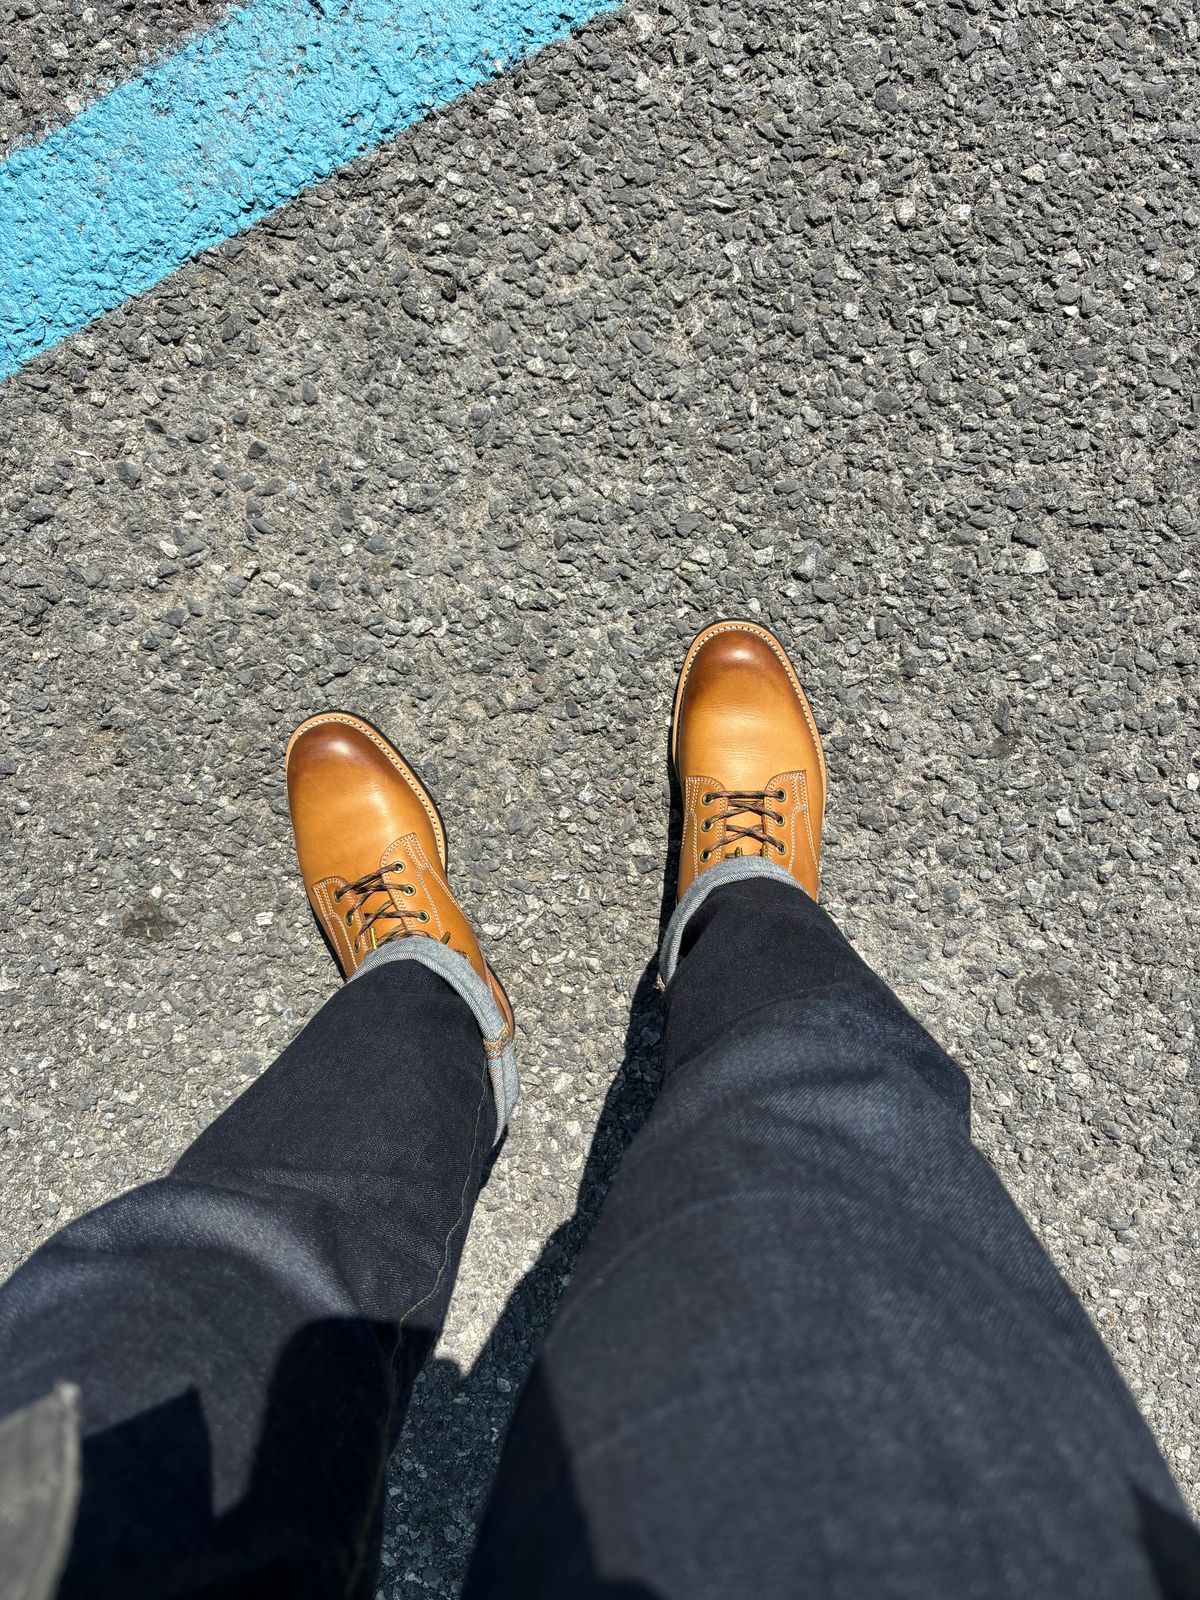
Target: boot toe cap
[351, 797]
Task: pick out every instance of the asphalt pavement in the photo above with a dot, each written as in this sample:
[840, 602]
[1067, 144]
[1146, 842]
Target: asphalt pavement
[877, 323]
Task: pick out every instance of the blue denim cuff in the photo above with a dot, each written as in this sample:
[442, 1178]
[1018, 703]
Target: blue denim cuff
[734, 871]
[464, 980]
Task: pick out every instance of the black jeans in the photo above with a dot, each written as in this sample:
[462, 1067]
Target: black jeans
[811, 1350]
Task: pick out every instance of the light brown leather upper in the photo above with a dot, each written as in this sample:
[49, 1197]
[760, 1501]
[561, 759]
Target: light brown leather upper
[359, 810]
[743, 727]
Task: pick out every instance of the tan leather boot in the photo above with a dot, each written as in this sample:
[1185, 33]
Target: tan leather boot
[372, 848]
[747, 755]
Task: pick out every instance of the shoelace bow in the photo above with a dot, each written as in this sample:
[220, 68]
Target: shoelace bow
[740, 802]
[375, 883]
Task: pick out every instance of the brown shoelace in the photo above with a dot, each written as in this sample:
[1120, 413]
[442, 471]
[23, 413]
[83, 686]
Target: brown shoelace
[742, 802]
[375, 883]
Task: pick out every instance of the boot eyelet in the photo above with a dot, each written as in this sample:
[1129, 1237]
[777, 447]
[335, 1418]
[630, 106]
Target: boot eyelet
[349, 918]
[705, 826]
[781, 794]
[408, 888]
[423, 916]
[707, 799]
[704, 854]
[781, 847]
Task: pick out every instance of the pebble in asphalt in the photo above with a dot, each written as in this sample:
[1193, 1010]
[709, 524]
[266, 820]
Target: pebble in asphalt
[878, 325]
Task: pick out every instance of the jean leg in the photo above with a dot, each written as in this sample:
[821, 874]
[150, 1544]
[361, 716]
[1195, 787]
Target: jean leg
[246, 1330]
[812, 1348]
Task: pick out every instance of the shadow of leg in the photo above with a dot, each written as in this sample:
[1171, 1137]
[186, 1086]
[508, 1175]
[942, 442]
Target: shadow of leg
[456, 1422]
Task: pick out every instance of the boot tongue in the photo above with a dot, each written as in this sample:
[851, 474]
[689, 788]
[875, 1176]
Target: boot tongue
[750, 818]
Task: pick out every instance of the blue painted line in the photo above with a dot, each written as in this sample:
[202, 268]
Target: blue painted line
[218, 135]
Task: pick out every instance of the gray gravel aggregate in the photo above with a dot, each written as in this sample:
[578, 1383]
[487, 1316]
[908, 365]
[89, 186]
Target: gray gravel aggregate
[57, 57]
[876, 323]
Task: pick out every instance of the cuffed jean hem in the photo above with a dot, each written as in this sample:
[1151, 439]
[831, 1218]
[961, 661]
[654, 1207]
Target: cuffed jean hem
[735, 871]
[465, 981]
